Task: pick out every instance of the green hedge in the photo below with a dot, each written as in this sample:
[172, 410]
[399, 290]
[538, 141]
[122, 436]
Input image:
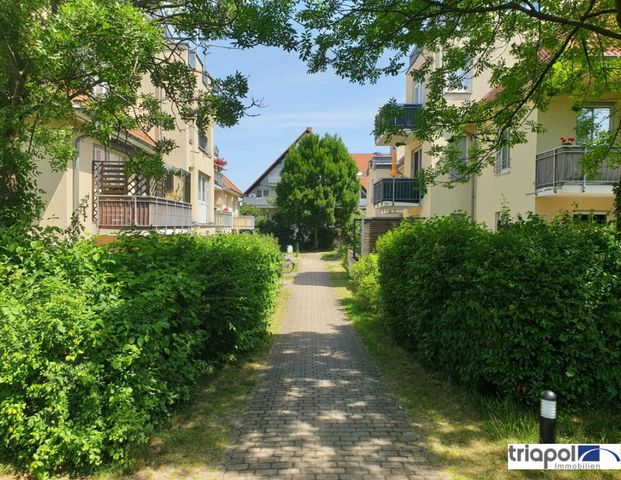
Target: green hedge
[513, 312]
[97, 344]
[365, 282]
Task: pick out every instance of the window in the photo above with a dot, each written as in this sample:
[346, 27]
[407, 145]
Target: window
[460, 144]
[460, 81]
[419, 94]
[502, 220]
[417, 162]
[503, 157]
[203, 188]
[592, 121]
[99, 154]
[262, 192]
[590, 217]
[202, 142]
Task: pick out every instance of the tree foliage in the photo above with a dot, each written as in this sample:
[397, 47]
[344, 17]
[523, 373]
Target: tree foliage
[530, 51]
[55, 54]
[318, 190]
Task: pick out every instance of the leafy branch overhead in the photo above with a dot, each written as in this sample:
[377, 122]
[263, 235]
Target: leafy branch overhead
[528, 52]
[62, 56]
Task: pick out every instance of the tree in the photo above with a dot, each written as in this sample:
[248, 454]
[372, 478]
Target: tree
[318, 190]
[55, 54]
[549, 48]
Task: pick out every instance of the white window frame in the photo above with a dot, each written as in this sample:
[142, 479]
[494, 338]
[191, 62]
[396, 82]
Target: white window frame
[419, 93]
[503, 158]
[593, 106]
[465, 74]
[417, 162]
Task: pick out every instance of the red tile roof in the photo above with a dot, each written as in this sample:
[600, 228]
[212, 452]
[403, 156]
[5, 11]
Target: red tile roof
[145, 137]
[362, 162]
[231, 186]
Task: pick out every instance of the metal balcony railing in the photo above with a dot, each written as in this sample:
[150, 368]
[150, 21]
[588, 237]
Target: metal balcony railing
[405, 120]
[561, 166]
[122, 211]
[396, 190]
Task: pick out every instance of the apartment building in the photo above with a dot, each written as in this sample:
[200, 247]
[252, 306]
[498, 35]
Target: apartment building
[183, 201]
[543, 175]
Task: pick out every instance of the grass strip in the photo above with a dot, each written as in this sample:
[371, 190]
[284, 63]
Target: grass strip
[467, 433]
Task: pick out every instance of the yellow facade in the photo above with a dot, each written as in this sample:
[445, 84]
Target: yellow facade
[516, 188]
[194, 153]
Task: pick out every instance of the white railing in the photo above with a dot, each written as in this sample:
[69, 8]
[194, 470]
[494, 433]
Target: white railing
[224, 221]
[121, 211]
[244, 222]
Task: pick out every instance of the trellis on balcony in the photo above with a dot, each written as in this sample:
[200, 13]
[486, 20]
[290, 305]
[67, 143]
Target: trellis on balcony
[111, 180]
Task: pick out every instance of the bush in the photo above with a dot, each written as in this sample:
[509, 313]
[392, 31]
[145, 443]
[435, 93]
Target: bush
[97, 344]
[511, 313]
[365, 282]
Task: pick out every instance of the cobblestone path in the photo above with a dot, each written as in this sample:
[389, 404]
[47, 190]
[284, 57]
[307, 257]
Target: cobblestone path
[322, 411]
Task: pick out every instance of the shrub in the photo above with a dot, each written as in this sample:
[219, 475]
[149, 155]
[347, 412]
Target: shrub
[365, 282]
[97, 344]
[530, 307]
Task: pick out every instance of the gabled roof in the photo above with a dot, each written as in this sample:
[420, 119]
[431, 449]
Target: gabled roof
[308, 131]
[362, 162]
[231, 186]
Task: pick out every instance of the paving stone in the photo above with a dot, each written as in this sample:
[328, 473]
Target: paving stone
[321, 410]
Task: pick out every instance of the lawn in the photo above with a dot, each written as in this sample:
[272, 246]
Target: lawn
[467, 433]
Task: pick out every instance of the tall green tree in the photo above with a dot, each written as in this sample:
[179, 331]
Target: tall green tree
[318, 191]
[549, 48]
[54, 54]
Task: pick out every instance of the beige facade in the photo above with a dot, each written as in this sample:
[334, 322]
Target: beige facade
[185, 201]
[541, 176]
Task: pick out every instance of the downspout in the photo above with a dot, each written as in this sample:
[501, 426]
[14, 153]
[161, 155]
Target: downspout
[473, 198]
[76, 172]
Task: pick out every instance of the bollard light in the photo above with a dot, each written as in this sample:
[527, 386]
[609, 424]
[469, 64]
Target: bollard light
[547, 417]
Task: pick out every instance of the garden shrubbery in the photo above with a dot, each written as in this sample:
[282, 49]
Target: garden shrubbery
[365, 282]
[513, 312]
[97, 343]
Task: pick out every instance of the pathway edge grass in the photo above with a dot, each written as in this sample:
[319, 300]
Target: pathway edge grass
[467, 434]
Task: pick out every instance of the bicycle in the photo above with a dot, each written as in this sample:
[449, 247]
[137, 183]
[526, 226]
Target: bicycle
[289, 265]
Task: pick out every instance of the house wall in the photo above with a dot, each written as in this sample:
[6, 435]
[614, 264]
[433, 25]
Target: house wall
[63, 191]
[227, 201]
[486, 195]
[187, 154]
[268, 182]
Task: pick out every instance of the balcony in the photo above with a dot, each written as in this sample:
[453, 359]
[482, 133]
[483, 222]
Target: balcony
[560, 171]
[243, 222]
[396, 192]
[125, 211]
[224, 222]
[396, 126]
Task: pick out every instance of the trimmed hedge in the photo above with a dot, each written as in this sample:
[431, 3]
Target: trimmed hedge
[513, 312]
[97, 344]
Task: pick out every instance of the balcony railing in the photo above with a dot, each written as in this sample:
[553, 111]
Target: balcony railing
[405, 120]
[396, 191]
[243, 222]
[224, 221]
[122, 211]
[561, 166]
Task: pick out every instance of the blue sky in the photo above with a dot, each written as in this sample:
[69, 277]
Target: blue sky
[293, 101]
